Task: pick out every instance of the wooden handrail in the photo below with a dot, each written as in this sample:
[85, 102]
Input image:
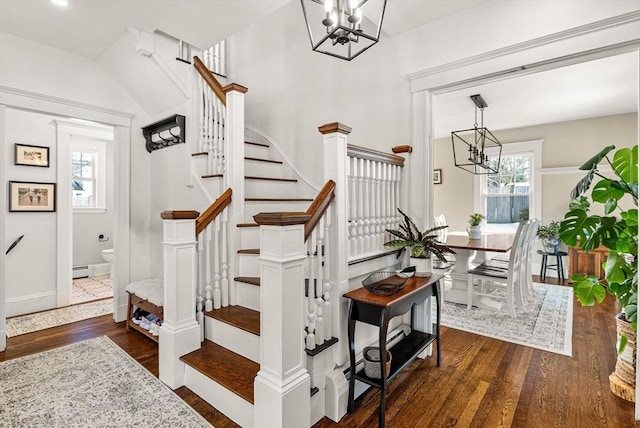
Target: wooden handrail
[374, 155]
[402, 149]
[213, 211]
[318, 207]
[210, 79]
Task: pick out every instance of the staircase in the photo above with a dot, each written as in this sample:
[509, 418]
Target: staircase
[223, 370]
[266, 293]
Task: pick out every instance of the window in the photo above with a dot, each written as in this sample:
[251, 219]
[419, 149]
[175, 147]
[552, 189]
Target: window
[507, 197]
[88, 175]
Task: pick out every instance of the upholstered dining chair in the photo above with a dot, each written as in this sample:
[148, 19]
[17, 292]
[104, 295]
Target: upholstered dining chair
[494, 274]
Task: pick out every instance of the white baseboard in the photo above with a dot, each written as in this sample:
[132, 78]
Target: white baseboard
[29, 304]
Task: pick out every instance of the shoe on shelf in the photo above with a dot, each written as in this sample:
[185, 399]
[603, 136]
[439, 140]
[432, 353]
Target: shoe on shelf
[145, 323]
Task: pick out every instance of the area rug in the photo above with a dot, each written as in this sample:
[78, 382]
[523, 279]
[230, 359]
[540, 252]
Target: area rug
[545, 321]
[39, 321]
[88, 384]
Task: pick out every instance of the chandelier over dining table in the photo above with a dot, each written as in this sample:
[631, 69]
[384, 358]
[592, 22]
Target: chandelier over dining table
[343, 28]
[471, 146]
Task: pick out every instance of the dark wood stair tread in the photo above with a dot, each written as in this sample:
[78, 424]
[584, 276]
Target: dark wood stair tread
[262, 160]
[249, 251]
[253, 280]
[212, 176]
[253, 177]
[247, 225]
[238, 316]
[278, 199]
[199, 154]
[233, 371]
[256, 144]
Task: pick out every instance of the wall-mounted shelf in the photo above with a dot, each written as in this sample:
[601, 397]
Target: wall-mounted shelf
[164, 133]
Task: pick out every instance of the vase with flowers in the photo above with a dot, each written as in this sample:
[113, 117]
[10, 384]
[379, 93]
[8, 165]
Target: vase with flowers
[474, 229]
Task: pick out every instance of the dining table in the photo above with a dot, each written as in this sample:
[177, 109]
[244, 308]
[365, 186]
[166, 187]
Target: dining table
[465, 248]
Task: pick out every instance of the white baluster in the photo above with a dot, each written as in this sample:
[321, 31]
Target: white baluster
[353, 207]
[208, 304]
[199, 292]
[360, 196]
[326, 285]
[319, 321]
[311, 316]
[217, 294]
[378, 199]
[224, 257]
[366, 172]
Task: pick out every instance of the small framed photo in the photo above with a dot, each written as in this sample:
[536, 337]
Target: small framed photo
[32, 197]
[32, 155]
[437, 176]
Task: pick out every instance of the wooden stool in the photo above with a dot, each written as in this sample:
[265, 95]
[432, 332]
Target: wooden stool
[557, 267]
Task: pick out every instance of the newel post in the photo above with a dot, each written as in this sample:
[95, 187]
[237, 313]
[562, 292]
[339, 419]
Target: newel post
[282, 387]
[234, 169]
[335, 168]
[179, 333]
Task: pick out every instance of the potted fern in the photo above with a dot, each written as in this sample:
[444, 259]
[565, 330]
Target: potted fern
[420, 245]
[617, 230]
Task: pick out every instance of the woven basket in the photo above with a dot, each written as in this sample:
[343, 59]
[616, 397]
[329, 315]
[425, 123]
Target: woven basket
[626, 361]
[384, 283]
[372, 362]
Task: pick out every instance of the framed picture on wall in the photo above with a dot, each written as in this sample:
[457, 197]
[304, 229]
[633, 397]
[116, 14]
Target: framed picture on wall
[27, 196]
[32, 155]
[437, 176]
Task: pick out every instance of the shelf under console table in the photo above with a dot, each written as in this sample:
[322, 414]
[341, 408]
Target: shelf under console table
[378, 310]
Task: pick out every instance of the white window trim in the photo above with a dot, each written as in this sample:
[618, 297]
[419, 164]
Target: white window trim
[99, 147]
[535, 189]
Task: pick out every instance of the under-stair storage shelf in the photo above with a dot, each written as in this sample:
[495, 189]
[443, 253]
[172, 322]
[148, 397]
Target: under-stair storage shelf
[164, 133]
[146, 295]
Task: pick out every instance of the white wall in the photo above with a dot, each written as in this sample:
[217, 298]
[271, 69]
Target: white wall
[31, 266]
[62, 82]
[293, 90]
[566, 144]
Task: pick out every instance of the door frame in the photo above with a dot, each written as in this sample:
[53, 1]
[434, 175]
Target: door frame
[122, 122]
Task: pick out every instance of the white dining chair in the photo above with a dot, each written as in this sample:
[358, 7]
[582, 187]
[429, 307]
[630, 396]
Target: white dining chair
[494, 274]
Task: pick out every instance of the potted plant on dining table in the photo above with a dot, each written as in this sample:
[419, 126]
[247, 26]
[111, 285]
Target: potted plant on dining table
[475, 220]
[420, 245]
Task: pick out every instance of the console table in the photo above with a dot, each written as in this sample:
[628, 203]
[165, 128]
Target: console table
[378, 310]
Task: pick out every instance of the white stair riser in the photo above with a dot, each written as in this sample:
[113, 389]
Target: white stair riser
[249, 237]
[239, 341]
[271, 188]
[234, 407]
[248, 265]
[253, 151]
[268, 169]
[248, 295]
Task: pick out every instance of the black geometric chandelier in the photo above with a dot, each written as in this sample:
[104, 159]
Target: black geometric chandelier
[470, 145]
[343, 28]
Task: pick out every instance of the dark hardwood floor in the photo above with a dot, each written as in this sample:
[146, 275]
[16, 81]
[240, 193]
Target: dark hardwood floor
[482, 382]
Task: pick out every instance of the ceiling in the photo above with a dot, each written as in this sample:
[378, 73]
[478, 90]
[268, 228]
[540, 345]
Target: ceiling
[89, 27]
[601, 87]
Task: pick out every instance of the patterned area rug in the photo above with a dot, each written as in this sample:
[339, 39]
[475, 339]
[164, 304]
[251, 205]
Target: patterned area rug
[55, 317]
[88, 384]
[545, 321]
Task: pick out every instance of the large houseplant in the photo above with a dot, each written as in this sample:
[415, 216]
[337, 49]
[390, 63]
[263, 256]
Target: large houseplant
[421, 245]
[617, 230]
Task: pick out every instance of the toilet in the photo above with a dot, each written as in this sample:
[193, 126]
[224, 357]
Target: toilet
[107, 255]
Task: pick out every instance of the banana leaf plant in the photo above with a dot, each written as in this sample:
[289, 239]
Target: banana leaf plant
[617, 230]
[420, 244]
